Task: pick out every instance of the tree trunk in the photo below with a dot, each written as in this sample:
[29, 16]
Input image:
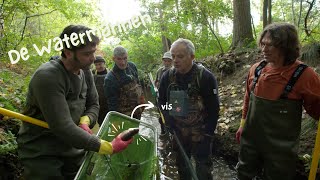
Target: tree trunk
[293, 13]
[269, 12]
[204, 20]
[242, 30]
[265, 13]
[1, 23]
[165, 45]
[177, 8]
[300, 14]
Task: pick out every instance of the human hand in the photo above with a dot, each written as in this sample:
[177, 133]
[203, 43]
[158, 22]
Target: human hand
[84, 124]
[238, 134]
[105, 147]
[119, 145]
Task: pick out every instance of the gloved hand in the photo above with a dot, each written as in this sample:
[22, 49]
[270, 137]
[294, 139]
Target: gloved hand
[119, 145]
[239, 132]
[84, 124]
[105, 147]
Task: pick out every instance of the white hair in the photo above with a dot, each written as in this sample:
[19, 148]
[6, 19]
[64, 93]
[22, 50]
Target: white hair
[189, 45]
[119, 51]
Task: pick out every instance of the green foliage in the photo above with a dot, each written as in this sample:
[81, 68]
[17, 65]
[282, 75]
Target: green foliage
[35, 22]
[283, 11]
[8, 142]
[13, 90]
[194, 20]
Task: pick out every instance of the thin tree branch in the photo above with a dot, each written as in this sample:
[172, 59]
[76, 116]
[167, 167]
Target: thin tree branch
[35, 15]
[253, 27]
[300, 13]
[211, 29]
[293, 13]
[25, 24]
[269, 12]
[2, 4]
[307, 31]
[22, 34]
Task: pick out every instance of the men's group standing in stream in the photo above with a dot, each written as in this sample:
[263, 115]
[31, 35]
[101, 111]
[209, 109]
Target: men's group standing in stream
[277, 88]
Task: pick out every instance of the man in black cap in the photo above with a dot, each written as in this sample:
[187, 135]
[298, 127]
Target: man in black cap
[100, 65]
[99, 74]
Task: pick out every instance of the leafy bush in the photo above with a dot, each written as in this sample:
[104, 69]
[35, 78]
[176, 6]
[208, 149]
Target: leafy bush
[8, 142]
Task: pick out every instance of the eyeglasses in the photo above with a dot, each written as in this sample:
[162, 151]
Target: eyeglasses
[264, 46]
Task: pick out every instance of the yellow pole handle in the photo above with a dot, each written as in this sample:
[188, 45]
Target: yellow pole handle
[22, 117]
[162, 117]
[315, 156]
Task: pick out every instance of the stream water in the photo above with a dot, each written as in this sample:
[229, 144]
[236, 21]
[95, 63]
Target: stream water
[221, 169]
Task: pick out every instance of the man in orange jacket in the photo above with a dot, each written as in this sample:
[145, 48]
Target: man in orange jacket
[276, 89]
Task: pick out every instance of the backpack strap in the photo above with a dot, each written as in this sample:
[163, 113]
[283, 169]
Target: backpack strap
[115, 75]
[200, 72]
[134, 73]
[200, 69]
[257, 73]
[295, 76]
[172, 81]
[172, 75]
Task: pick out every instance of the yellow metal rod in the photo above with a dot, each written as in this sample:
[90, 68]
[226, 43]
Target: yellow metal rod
[22, 117]
[315, 156]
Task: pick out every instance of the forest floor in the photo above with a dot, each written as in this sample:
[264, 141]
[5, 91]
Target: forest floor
[13, 86]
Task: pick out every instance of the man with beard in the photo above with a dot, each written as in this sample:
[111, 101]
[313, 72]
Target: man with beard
[63, 95]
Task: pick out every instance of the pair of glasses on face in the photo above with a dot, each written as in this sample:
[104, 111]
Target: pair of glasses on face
[263, 46]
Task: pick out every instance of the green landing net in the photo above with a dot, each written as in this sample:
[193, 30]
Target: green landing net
[138, 161]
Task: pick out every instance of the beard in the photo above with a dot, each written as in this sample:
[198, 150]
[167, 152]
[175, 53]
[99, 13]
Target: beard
[77, 62]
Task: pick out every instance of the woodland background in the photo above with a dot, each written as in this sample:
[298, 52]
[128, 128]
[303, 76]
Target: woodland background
[205, 22]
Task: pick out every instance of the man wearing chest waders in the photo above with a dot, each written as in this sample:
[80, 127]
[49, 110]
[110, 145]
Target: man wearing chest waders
[121, 85]
[62, 93]
[193, 92]
[167, 64]
[99, 75]
[277, 88]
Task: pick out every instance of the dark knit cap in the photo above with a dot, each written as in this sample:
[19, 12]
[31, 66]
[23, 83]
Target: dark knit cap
[99, 59]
